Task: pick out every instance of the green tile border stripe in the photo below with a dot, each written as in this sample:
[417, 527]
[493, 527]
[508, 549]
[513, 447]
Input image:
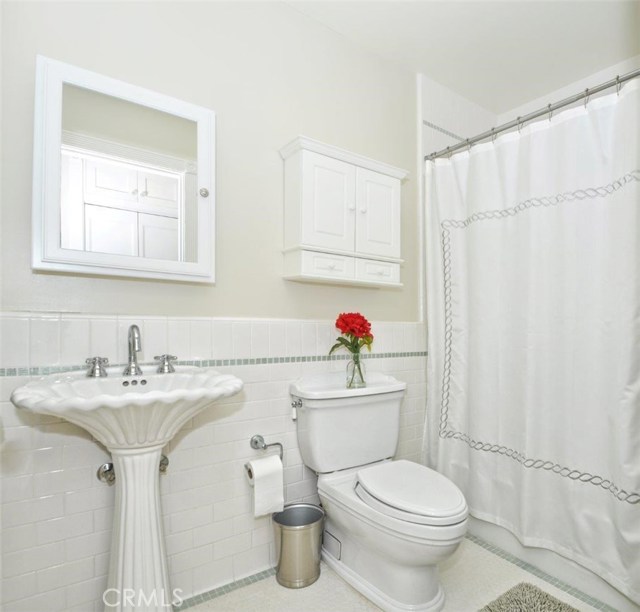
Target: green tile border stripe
[532, 569]
[214, 363]
[223, 590]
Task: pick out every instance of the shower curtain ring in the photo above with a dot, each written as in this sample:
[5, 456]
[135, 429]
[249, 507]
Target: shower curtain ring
[618, 84]
[468, 145]
[519, 123]
[586, 97]
[550, 111]
[493, 134]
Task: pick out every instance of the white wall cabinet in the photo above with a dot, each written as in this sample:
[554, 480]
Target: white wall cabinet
[341, 217]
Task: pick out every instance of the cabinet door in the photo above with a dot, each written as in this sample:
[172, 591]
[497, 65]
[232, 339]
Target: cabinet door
[158, 237]
[126, 186]
[159, 192]
[109, 183]
[378, 216]
[110, 230]
[328, 202]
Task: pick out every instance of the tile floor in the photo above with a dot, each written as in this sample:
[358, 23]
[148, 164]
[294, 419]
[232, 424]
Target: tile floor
[471, 578]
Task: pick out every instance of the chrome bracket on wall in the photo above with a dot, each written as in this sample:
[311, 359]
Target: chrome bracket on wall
[164, 464]
[258, 442]
[106, 472]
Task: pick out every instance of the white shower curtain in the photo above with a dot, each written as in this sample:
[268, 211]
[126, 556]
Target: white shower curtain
[533, 263]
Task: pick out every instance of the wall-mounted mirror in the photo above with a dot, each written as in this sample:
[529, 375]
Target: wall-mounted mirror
[123, 180]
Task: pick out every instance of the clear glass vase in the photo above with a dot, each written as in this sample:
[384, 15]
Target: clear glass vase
[356, 372]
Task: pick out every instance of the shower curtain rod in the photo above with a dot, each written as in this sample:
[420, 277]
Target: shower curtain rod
[548, 110]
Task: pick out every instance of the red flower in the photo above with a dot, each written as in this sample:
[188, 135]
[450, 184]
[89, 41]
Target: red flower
[357, 331]
[354, 323]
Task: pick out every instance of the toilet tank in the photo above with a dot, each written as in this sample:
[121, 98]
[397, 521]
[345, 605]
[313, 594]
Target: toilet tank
[340, 428]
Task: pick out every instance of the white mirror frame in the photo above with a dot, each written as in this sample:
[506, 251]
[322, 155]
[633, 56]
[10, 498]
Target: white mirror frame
[47, 253]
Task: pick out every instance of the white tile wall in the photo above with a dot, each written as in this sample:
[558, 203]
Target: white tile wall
[56, 516]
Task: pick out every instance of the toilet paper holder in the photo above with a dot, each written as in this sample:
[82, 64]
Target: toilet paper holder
[258, 443]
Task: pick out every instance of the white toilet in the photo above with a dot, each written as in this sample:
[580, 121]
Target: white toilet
[389, 523]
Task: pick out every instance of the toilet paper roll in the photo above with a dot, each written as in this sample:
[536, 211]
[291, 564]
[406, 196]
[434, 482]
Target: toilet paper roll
[266, 477]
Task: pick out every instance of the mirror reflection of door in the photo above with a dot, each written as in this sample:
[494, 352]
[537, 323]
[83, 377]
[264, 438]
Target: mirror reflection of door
[128, 183]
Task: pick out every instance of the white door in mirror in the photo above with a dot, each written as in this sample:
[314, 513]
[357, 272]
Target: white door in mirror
[121, 208]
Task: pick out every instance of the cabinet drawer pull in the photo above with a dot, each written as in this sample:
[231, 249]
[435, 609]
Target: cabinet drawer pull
[378, 272]
[332, 266]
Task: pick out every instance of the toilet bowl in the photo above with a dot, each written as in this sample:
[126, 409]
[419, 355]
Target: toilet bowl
[391, 560]
[388, 523]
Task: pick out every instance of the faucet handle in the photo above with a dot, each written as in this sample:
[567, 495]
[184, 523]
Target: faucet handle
[96, 367]
[164, 363]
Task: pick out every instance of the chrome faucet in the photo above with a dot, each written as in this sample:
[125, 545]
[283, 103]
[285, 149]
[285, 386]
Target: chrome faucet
[135, 346]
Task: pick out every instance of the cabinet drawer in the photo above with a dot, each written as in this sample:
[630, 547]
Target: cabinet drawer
[377, 271]
[329, 266]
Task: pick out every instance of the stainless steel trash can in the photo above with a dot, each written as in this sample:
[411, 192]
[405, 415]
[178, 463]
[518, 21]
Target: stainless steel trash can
[298, 530]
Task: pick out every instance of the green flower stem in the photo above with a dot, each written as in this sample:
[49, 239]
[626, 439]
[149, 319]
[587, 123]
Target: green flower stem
[356, 360]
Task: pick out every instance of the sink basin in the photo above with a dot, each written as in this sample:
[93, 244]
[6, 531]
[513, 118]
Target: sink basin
[125, 411]
[134, 417]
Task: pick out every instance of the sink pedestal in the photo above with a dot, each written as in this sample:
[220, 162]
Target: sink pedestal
[138, 573]
[133, 417]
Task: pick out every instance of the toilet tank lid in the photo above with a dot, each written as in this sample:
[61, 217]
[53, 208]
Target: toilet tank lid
[332, 385]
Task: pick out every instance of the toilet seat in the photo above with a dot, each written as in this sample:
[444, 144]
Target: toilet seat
[411, 492]
[337, 490]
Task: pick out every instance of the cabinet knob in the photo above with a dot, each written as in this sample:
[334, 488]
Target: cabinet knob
[144, 194]
[351, 206]
[204, 192]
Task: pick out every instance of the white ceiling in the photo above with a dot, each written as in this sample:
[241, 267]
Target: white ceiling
[499, 54]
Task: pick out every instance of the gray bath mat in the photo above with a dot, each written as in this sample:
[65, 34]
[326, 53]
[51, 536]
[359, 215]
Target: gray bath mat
[525, 597]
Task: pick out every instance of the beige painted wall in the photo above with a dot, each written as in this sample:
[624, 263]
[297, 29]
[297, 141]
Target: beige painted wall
[270, 74]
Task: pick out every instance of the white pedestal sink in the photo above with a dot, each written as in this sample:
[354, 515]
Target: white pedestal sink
[134, 417]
